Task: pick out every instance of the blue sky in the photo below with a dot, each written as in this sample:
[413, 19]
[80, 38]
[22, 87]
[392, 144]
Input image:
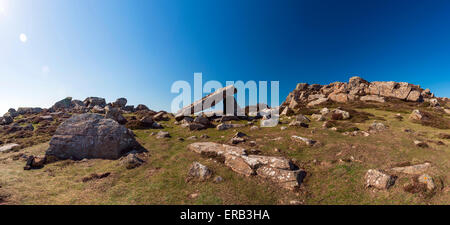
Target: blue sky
[137, 49]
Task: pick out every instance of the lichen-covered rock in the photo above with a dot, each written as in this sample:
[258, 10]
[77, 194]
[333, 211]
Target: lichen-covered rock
[91, 136]
[199, 172]
[378, 179]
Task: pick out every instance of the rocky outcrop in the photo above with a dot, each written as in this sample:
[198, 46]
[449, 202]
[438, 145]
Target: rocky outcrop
[356, 89]
[277, 169]
[91, 136]
[90, 102]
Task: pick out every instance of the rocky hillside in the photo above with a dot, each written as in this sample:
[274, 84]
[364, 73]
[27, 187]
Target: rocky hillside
[343, 143]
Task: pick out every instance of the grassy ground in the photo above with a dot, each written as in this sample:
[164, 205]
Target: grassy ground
[332, 177]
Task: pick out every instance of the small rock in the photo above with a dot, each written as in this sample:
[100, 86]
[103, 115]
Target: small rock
[132, 161]
[162, 134]
[307, 141]
[420, 144]
[428, 180]
[377, 126]
[9, 147]
[199, 172]
[283, 128]
[218, 179]
[254, 128]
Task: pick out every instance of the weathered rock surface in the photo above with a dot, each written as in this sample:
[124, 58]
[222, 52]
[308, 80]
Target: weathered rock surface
[120, 103]
[115, 114]
[414, 169]
[277, 169]
[91, 136]
[379, 179]
[356, 89]
[199, 172]
[90, 102]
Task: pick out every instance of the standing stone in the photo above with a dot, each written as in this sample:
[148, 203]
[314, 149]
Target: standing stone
[91, 136]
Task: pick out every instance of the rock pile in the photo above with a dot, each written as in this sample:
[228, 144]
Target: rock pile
[356, 89]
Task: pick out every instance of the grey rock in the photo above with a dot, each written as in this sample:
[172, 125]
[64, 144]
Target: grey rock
[91, 136]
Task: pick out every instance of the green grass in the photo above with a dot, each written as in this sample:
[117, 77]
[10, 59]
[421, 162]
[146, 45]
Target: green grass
[161, 180]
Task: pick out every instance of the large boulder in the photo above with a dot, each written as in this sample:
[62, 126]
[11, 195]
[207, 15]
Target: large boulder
[91, 136]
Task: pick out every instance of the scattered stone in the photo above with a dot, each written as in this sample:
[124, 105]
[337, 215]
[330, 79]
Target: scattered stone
[192, 138]
[377, 126]
[427, 180]
[6, 120]
[420, 144]
[307, 141]
[254, 128]
[218, 179]
[95, 176]
[318, 117]
[412, 170]
[9, 147]
[283, 128]
[444, 136]
[132, 161]
[35, 162]
[298, 124]
[204, 136]
[338, 114]
[199, 172]
[162, 134]
[324, 111]
[417, 115]
[378, 179]
[28, 110]
[226, 126]
[91, 136]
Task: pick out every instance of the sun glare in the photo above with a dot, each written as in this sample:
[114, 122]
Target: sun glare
[23, 37]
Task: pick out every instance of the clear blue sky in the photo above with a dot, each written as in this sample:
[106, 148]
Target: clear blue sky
[137, 49]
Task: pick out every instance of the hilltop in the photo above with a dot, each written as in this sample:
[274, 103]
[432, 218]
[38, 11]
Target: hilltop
[354, 142]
